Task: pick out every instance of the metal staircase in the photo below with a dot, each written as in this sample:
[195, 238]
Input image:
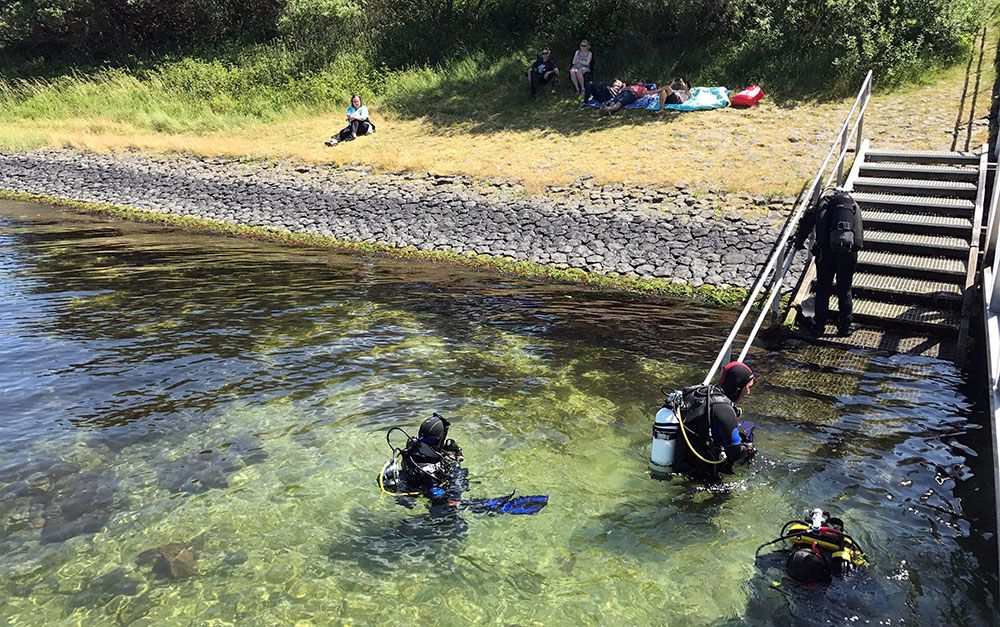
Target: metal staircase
[913, 284]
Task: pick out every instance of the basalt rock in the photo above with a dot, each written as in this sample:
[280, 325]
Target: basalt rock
[175, 560]
[426, 211]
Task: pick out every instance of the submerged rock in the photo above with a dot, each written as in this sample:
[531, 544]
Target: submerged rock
[101, 590]
[210, 468]
[82, 503]
[175, 560]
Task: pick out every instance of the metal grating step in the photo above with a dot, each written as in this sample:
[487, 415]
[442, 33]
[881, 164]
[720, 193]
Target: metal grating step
[926, 172]
[919, 243]
[922, 156]
[892, 315]
[915, 187]
[915, 204]
[885, 340]
[890, 220]
[912, 265]
[907, 289]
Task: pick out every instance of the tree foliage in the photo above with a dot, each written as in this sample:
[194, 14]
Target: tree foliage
[748, 39]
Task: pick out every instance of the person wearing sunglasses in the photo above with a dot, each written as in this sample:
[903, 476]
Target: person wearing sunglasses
[582, 68]
[542, 71]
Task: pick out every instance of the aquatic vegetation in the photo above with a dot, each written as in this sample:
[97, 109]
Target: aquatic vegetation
[220, 464]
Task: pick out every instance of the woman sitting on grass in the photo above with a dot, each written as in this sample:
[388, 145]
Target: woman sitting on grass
[357, 123]
[675, 93]
[583, 64]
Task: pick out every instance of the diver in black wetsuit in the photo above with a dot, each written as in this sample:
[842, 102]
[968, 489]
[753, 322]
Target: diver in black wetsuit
[428, 466]
[712, 441]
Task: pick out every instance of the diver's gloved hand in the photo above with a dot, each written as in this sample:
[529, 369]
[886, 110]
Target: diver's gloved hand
[800, 245]
[749, 452]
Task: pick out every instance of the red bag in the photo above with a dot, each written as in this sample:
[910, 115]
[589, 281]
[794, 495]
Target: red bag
[747, 98]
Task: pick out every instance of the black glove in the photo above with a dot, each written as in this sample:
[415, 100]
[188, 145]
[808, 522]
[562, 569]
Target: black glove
[800, 245]
[749, 452]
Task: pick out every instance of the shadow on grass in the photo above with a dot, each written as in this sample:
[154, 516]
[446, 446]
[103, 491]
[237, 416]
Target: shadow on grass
[482, 96]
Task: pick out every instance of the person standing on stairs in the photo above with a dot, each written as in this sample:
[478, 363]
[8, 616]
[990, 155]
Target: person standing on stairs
[836, 220]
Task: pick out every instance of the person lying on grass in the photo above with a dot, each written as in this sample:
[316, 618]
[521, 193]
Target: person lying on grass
[542, 71]
[626, 96]
[357, 123]
[674, 93]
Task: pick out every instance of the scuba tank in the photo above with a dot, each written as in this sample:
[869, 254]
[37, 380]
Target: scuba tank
[666, 428]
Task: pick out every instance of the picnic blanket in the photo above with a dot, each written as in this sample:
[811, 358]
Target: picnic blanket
[701, 99]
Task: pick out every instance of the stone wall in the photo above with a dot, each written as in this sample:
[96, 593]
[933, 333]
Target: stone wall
[709, 238]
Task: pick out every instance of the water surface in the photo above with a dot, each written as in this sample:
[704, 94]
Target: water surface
[191, 426]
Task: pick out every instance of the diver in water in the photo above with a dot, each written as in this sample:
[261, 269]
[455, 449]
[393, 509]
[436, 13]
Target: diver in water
[706, 436]
[820, 549]
[429, 466]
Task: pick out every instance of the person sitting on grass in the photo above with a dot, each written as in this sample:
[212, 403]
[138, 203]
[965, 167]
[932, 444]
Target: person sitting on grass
[625, 97]
[358, 123]
[583, 65]
[542, 71]
[675, 93]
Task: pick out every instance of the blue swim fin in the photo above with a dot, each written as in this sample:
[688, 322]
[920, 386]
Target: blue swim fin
[510, 504]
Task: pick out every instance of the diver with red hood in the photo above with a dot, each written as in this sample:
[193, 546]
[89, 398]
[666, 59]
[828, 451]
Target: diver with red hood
[711, 438]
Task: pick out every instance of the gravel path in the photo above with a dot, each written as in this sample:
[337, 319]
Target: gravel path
[714, 239]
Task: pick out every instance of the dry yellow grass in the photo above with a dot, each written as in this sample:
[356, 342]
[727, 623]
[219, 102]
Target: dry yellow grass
[770, 149]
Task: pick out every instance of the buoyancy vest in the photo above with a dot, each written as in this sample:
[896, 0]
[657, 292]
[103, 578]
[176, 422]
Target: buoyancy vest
[841, 216]
[696, 407]
[827, 538]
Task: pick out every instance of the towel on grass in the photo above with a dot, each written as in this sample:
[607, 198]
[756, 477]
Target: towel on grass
[701, 99]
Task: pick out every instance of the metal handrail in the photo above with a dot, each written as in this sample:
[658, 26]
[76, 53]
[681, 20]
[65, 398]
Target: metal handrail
[783, 247]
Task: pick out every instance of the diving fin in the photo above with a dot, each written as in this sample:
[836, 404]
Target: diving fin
[510, 504]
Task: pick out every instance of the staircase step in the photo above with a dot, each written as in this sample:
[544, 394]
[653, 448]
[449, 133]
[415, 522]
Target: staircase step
[915, 187]
[896, 315]
[926, 172]
[917, 243]
[909, 222]
[911, 265]
[922, 156]
[905, 289]
[916, 204]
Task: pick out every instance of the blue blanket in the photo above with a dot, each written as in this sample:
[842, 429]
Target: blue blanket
[701, 99]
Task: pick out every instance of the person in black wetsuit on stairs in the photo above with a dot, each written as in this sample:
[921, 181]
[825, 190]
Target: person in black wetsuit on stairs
[836, 220]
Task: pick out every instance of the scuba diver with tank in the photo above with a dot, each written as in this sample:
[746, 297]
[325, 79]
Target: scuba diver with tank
[429, 466]
[698, 431]
[820, 549]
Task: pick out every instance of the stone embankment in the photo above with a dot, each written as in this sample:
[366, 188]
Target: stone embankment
[708, 238]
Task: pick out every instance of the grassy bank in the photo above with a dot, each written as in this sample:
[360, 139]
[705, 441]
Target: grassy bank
[730, 297]
[472, 117]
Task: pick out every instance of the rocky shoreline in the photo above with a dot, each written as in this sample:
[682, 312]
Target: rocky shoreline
[707, 238]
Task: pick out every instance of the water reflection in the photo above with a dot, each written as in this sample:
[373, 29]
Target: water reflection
[192, 428]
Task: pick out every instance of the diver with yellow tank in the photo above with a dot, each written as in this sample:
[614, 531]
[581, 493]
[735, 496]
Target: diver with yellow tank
[820, 549]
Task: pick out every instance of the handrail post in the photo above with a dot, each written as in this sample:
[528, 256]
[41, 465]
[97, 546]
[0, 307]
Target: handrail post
[861, 118]
[840, 162]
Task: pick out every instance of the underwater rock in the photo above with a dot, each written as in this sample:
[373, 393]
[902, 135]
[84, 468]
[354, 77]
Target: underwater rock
[211, 467]
[101, 590]
[79, 504]
[196, 473]
[175, 560]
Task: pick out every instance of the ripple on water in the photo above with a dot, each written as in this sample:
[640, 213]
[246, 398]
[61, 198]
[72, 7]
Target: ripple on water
[194, 425]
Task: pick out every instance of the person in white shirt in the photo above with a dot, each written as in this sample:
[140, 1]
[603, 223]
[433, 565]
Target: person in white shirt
[358, 123]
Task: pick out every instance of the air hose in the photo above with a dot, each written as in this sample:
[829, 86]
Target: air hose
[684, 430]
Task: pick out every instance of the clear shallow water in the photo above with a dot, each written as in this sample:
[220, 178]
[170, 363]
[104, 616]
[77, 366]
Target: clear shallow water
[224, 403]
